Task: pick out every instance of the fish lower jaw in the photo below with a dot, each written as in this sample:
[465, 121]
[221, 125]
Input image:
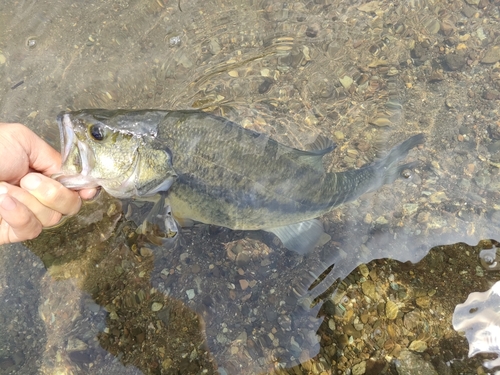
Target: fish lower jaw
[76, 181]
[67, 135]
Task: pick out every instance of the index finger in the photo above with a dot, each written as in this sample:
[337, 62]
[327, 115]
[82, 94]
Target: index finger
[51, 193]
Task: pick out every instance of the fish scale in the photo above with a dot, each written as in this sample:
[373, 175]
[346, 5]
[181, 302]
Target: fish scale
[214, 171]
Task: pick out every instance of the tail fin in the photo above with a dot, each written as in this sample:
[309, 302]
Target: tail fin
[388, 167]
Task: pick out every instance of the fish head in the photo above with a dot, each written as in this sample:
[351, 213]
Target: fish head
[95, 153]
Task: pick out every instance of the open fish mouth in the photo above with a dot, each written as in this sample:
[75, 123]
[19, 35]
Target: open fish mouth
[77, 159]
[67, 135]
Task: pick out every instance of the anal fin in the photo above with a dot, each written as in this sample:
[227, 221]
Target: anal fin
[301, 237]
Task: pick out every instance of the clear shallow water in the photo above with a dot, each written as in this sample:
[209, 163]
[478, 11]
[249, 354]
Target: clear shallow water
[354, 72]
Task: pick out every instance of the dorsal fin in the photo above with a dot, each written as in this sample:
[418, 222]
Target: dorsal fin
[314, 152]
[322, 145]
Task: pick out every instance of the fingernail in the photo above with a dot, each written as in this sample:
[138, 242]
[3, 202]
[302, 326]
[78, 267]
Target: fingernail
[31, 182]
[3, 189]
[7, 203]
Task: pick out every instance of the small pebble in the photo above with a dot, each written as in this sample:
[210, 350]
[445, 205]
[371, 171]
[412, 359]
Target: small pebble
[145, 252]
[195, 268]
[339, 136]
[418, 346]
[391, 310]
[244, 284]
[156, 306]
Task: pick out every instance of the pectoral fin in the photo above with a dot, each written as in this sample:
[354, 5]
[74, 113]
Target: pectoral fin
[301, 237]
[161, 216]
[153, 218]
[183, 221]
[164, 186]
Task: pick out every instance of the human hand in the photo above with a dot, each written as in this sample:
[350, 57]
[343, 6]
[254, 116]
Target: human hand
[29, 199]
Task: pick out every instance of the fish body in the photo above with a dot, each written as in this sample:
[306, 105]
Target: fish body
[215, 171]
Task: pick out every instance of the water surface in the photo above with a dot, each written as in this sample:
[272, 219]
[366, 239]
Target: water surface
[365, 74]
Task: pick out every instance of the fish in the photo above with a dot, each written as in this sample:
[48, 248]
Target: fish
[212, 170]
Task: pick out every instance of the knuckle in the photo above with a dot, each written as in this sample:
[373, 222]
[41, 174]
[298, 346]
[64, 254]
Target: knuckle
[74, 207]
[23, 220]
[35, 232]
[27, 229]
[53, 219]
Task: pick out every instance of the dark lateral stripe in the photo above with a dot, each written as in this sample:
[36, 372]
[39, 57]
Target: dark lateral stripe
[246, 200]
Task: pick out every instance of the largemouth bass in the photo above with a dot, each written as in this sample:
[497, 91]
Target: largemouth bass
[214, 171]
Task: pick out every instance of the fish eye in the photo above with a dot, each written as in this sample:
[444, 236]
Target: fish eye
[97, 132]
